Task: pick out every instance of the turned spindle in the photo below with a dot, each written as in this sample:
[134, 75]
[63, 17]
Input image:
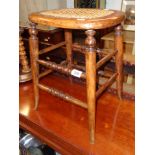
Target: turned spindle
[23, 57]
[68, 39]
[34, 53]
[119, 59]
[90, 57]
[25, 72]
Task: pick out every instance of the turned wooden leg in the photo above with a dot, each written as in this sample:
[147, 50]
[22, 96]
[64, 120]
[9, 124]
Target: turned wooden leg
[68, 39]
[119, 59]
[34, 53]
[90, 51]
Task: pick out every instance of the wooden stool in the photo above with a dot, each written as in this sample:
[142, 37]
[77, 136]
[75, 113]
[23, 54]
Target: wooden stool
[89, 20]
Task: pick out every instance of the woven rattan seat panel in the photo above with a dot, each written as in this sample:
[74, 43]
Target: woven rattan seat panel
[78, 13]
[78, 18]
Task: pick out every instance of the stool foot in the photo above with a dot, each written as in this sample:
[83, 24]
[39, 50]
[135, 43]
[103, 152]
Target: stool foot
[119, 95]
[36, 102]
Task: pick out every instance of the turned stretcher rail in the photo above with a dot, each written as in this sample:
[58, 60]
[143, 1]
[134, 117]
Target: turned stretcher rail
[52, 47]
[83, 68]
[62, 95]
[105, 59]
[45, 73]
[106, 84]
[58, 67]
[99, 51]
[79, 48]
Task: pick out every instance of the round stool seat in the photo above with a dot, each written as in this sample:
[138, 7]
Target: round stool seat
[78, 18]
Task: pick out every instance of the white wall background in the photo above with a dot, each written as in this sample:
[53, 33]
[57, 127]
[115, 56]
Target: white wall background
[113, 4]
[56, 4]
[70, 3]
[28, 6]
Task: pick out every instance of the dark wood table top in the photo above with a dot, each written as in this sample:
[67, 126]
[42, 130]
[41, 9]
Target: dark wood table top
[64, 126]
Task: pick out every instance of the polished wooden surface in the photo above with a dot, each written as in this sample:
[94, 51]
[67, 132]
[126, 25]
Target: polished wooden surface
[64, 126]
